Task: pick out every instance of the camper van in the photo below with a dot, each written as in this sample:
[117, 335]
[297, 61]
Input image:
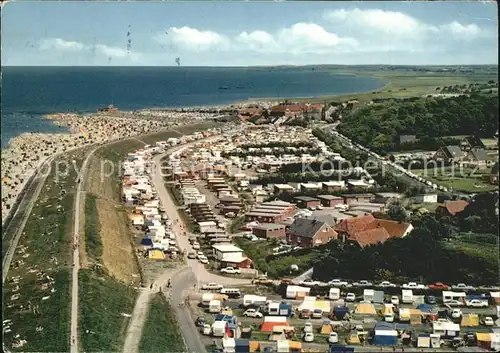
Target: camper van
[253, 300]
[407, 296]
[232, 293]
[334, 294]
[368, 295]
[214, 306]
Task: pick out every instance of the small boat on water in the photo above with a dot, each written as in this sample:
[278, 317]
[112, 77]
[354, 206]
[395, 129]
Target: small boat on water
[223, 87]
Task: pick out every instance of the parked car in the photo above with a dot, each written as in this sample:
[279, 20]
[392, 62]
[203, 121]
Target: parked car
[203, 259]
[192, 256]
[386, 284]
[308, 337]
[253, 313]
[308, 327]
[212, 286]
[430, 299]
[333, 337]
[413, 285]
[395, 300]
[488, 321]
[476, 303]
[199, 254]
[230, 270]
[456, 313]
[338, 283]
[462, 286]
[350, 297]
[206, 330]
[262, 280]
[454, 302]
[309, 282]
[200, 321]
[317, 314]
[196, 246]
[305, 314]
[362, 283]
[439, 286]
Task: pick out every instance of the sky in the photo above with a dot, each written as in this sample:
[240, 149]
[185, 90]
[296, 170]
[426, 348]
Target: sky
[228, 33]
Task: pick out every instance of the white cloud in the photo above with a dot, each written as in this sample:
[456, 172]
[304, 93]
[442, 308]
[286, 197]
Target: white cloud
[192, 39]
[463, 32]
[60, 44]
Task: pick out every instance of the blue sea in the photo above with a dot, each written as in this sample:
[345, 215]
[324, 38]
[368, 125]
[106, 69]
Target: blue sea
[30, 92]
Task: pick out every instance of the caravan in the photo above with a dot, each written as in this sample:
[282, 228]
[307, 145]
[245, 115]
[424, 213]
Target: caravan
[407, 296]
[253, 300]
[334, 294]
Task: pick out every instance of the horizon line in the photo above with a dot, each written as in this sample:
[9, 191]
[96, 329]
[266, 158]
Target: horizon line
[261, 66]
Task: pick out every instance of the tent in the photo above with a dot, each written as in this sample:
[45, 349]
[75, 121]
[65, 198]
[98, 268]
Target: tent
[484, 340]
[470, 320]
[271, 321]
[365, 309]
[495, 297]
[385, 337]
[326, 328]
[242, 346]
[229, 345]
[353, 338]
[428, 341]
[155, 254]
[146, 242]
[254, 346]
[295, 347]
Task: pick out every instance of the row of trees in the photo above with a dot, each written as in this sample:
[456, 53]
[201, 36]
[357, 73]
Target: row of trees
[378, 126]
[242, 154]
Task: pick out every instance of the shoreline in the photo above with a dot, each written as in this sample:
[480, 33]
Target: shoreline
[28, 151]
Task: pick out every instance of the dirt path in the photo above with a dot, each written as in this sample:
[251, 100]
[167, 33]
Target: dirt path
[141, 309]
[77, 209]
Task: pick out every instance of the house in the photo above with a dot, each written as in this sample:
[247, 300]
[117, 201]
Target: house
[357, 198]
[270, 230]
[310, 186]
[368, 230]
[330, 200]
[230, 201]
[307, 202]
[493, 177]
[357, 184]
[333, 185]
[230, 255]
[471, 142]
[449, 154]
[277, 188]
[308, 233]
[271, 212]
[451, 208]
[426, 198]
[478, 157]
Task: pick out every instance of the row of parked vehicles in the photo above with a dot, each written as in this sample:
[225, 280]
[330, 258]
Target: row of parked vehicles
[308, 282]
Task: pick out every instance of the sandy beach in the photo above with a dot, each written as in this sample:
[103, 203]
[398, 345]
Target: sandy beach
[26, 152]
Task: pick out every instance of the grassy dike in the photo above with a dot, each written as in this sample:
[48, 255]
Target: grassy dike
[161, 334]
[106, 303]
[36, 293]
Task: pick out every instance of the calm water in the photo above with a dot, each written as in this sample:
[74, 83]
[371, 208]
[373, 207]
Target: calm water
[30, 92]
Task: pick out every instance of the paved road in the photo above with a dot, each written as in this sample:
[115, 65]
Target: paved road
[76, 254]
[29, 198]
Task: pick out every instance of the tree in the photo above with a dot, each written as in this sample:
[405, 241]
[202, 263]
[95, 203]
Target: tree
[397, 212]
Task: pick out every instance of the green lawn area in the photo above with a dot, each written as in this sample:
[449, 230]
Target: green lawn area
[174, 193]
[401, 85]
[458, 180]
[103, 309]
[40, 315]
[486, 251]
[93, 244]
[161, 332]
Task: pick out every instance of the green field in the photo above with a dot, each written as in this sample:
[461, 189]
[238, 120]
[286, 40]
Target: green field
[402, 84]
[485, 251]
[40, 315]
[93, 244]
[161, 334]
[458, 180]
[103, 311]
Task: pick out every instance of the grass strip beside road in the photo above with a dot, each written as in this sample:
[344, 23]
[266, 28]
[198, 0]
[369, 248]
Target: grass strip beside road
[93, 243]
[39, 303]
[174, 193]
[161, 332]
[103, 309]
